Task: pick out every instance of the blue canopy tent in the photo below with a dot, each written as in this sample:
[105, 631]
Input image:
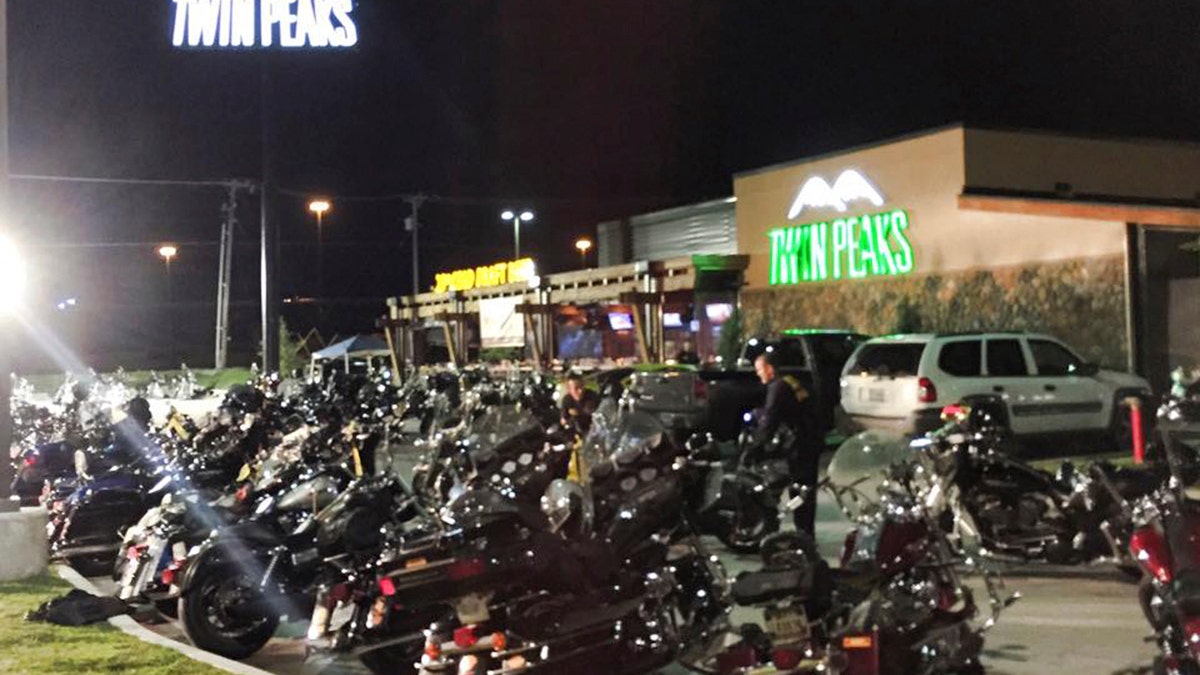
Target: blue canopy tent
[358, 347]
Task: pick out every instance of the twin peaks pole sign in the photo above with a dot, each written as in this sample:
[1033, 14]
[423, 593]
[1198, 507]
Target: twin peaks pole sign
[249, 24]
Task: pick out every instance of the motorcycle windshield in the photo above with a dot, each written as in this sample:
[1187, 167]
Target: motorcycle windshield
[500, 424]
[862, 463]
[476, 503]
[619, 437]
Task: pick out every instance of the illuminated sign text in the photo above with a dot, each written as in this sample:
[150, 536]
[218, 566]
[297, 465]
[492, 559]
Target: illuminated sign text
[263, 23]
[849, 187]
[857, 247]
[517, 271]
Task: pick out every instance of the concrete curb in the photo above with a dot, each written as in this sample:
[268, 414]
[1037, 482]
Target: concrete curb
[130, 627]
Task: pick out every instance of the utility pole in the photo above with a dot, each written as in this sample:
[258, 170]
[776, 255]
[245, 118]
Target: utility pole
[229, 224]
[413, 224]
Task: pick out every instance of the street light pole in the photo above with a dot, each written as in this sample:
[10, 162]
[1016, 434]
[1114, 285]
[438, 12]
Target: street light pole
[168, 252]
[584, 245]
[6, 423]
[517, 218]
[413, 224]
[320, 207]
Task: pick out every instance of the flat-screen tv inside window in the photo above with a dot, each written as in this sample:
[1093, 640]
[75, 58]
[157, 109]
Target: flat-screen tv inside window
[620, 320]
[672, 320]
[718, 312]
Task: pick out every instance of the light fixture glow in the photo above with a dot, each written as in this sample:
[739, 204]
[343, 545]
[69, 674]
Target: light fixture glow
[526, 216]
[874, 245]
[168, 251]
[584, 245]
[850, 186]
[319, 206]
[507, 215]
[12, 277]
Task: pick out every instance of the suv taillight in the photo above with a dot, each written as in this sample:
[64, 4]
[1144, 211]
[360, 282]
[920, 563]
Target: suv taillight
[926, 392]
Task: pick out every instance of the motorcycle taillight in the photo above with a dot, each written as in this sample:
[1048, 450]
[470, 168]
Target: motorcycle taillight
[860, 654]
[387, 586]
[1191, 636]
[926, 392]
[786, 659]
[465, 569]
[736, 659]
[1150, 550]
[171, 572]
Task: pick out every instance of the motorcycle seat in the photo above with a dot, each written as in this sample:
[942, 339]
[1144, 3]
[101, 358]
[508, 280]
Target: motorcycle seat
[751, 588]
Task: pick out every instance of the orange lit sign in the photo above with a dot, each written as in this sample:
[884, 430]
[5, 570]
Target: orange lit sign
[515, 272]
[856, 642]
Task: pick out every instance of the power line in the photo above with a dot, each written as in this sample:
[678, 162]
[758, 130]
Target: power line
[134, 181]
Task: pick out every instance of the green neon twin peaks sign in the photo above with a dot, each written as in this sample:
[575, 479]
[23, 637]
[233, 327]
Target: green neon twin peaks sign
[874, 245]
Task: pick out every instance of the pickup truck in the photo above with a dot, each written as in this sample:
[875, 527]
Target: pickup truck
[715, 399]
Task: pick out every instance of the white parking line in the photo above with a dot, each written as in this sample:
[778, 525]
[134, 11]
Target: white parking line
[1013, 619]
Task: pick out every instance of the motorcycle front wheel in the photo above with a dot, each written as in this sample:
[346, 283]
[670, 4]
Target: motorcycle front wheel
[210, 617]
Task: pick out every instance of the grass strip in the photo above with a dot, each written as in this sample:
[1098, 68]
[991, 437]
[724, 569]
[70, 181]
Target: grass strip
[28, 648]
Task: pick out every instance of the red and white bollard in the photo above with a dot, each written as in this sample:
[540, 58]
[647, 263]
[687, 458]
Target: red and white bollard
[1135, 423]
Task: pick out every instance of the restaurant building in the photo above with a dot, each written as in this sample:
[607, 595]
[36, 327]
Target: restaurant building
[959, 229]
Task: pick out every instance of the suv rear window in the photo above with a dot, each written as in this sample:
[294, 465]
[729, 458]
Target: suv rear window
[1005, 359]
[889, 358]
[963, 358]
[1052, 358]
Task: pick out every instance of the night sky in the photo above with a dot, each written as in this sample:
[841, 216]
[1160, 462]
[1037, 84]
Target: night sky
[582, 111]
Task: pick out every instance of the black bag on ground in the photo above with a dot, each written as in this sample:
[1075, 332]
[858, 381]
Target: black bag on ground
[77, 608]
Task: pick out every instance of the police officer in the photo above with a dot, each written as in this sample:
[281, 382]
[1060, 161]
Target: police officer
[789, 408]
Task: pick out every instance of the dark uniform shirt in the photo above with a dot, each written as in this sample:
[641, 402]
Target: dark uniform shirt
[785, 404]
[578, 414]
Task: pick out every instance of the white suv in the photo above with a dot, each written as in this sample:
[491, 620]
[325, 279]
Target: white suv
[901, 382]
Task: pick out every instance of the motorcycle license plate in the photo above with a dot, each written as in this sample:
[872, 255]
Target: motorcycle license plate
[788, 625]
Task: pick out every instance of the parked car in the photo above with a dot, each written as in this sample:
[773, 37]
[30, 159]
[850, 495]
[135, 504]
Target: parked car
[901, 382]
[715, 399]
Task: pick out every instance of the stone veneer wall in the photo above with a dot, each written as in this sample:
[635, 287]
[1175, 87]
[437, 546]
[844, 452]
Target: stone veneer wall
[1082, 302]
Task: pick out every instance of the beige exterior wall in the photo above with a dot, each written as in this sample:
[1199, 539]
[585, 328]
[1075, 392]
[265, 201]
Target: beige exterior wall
[1035, 162]
[923, 175]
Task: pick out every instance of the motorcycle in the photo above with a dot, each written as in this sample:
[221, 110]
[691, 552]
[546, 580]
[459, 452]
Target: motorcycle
[624, 580]
[738, 498]
[1164, 544]
[896, 604]
[237, 585]
[1014, 512]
